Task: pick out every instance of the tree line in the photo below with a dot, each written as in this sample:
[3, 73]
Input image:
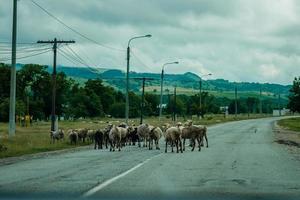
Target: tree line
[95, 99]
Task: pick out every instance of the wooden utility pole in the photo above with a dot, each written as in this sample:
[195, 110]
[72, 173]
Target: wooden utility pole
[235, 106]
[12, 103]
[143, 96]
[260, 101]
[174, 105]
[55, 42]
[200, 98]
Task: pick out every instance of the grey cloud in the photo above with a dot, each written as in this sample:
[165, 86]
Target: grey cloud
[233, 39]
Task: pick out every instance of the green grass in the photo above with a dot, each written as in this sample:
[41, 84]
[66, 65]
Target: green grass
[291, 124]
[227, 94]
[35, 139]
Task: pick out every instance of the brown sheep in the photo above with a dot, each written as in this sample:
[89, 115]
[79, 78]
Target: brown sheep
[82, 134]
[143, 131]
[154, 135]
[172, 136]
[73, 136]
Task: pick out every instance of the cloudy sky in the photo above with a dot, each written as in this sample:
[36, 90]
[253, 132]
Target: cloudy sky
[238, 40]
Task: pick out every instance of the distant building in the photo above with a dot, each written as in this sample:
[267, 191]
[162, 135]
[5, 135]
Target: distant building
[282, 112]
[224, 110]
[164, 105]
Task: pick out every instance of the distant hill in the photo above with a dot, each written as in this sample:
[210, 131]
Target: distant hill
[116, 78]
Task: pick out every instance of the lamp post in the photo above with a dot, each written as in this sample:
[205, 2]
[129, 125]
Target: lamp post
[162, 85]
[127, 74]
[200, 92]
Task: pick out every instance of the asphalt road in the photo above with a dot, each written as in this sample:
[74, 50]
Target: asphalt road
[242, 161]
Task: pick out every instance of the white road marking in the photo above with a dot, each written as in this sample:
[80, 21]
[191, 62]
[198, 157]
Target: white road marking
[110, 181]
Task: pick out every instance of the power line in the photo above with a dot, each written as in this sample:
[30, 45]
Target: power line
[24, 51]
[76, 60]
[28, 56]
[75, 31]
[140, 61]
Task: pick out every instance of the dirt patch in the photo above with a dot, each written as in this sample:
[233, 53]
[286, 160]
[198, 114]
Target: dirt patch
[288, 142]
[289, 139]
[286, 137]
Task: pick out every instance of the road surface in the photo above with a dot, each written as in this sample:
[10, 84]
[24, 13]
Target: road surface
[242, 161]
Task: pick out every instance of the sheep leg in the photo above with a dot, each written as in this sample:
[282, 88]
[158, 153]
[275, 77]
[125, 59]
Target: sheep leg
[183, 144]
[177, 144]
[199, 143]
[172, 144]
[100, 143]
[119, 146]
[180, 143]
[206, 140]
[193, 143]
[95, 145]
[157, 145]
[166, 146]
[106, 143]
[111, 145]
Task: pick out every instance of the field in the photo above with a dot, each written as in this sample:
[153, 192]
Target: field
[227, 94]
[292, 124]
[35, 139]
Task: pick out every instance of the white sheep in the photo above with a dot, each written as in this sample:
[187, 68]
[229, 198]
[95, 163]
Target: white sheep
[115, 138]
[56, 135]
[143, 131]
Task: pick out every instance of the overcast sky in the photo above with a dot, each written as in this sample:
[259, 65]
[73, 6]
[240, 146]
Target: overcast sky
[238, 40]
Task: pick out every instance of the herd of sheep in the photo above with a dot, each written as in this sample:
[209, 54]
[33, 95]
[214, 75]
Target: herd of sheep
[119, 136]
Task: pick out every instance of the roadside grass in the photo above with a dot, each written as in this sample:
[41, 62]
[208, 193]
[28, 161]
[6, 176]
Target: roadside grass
[292, 124]
[36, 138]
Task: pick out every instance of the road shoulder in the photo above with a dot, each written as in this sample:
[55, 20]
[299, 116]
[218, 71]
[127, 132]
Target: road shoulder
[12, 160]
[288, 139]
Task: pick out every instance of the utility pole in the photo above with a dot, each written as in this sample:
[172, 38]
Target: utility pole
[161, 93]
[127, 75]
[127, 85]
[236, 106]
[143, 96]
[54, 42]
[279, 104]
[200, 97]
[162, 86]
[12, 103]
[260, 101]
[174, 105]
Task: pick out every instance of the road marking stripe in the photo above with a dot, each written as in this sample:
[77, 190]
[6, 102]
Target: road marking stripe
[110, 181]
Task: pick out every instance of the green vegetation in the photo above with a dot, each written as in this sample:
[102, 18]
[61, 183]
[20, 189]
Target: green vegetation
[294, 97]
[36, 138]
[94, 98]
[290, 124]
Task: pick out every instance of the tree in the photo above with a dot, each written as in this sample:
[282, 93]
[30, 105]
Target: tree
[4, 80]
[117, 110]
[152, 102]
[294, 97]
[105, 93]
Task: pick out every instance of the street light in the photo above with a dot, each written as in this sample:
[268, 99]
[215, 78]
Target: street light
[127, 74]
[200, 91]
[161, 86]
